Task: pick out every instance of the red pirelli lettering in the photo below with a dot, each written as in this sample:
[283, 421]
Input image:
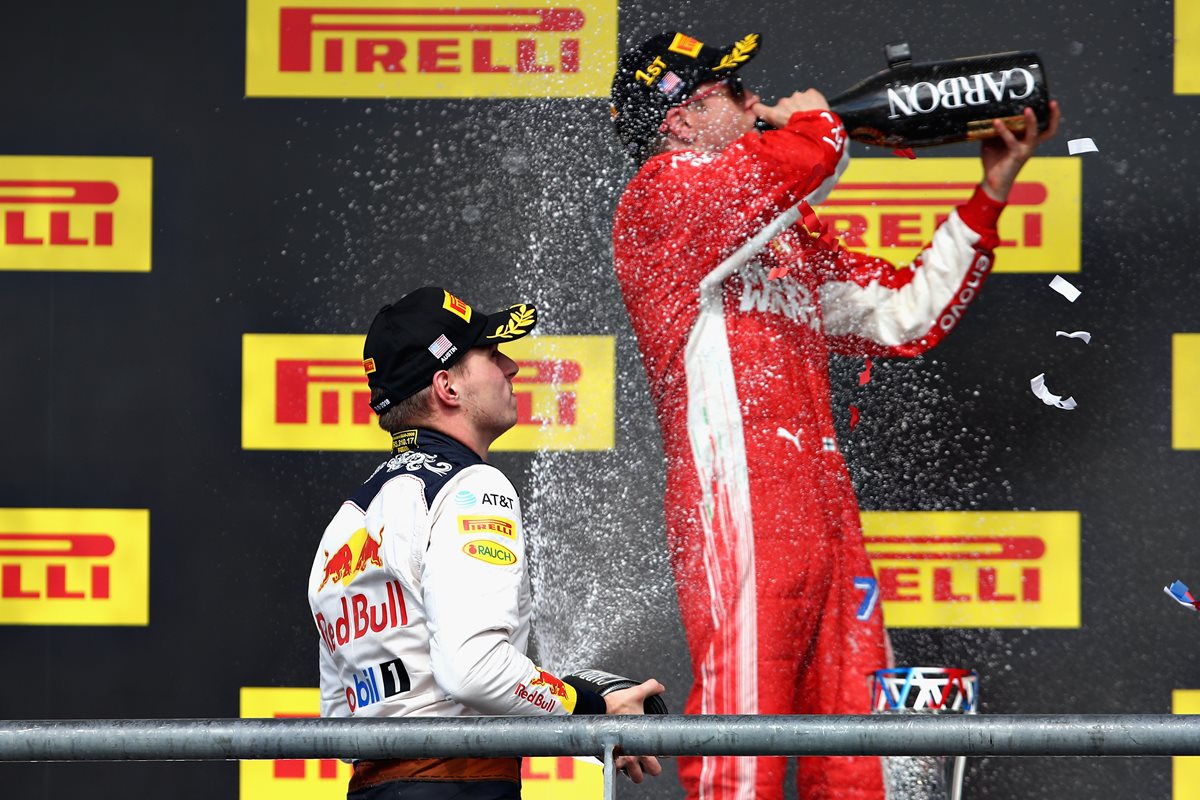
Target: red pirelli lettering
[96, 193]
[62, 575]
[293, 377]
[982, 548]
[299, 27]
[61, 545]
[1024, 193]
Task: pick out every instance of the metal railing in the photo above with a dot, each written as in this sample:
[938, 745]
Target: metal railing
[425, 737]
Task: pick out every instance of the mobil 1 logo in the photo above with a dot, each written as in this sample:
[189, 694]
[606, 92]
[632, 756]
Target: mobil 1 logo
[376, 683]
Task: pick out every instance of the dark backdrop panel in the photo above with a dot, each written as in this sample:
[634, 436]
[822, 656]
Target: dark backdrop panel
[304, 216]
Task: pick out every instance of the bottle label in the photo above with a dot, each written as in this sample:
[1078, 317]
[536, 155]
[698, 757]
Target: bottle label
[980, 89]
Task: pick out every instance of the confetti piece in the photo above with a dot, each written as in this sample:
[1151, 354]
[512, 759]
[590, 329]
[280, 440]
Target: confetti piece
[810, 218]
[1085, 145]
[1178, 591]
[907, 152]
[826, 238]
[776, 273]
[1038, 384]
[865, 375]
[1087, 337]
[853, 416]
[1064, 287]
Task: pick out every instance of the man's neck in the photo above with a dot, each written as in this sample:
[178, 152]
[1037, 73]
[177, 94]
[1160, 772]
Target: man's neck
[465, 434]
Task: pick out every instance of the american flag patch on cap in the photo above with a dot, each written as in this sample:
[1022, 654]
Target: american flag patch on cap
[440, 345]
[669, 83]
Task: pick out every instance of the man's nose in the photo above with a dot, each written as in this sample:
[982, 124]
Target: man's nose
[510, 367]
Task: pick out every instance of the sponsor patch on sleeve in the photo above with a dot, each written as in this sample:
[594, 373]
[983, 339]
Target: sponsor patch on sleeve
[490, 552]
[476, 525]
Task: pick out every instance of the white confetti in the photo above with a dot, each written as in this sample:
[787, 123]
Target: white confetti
[1064, 287]
[1085, 145]
[1040, 391]
[1087, 337]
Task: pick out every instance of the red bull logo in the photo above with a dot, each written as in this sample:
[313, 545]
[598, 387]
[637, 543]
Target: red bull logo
[553, 685]
[352, 559]
[360, 615]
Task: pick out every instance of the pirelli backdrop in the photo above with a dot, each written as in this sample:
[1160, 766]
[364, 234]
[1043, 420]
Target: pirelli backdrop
[203, 205]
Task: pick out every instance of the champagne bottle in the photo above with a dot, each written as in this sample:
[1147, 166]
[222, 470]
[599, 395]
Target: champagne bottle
[941, 102]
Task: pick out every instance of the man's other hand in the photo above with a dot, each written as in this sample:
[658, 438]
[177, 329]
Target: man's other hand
[631, 701]
[1004, 155]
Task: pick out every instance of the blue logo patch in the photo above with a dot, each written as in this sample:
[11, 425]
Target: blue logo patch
[465, 499]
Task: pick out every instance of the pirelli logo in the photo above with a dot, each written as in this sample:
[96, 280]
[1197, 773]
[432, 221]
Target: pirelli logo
[542, 777]
[471, 525]
[64, 213]
[555, 778]
[1185, 391]
[74, 566]
[1185, 770]
[1187, 46]
[992, 569]
[430, 48]
[308, 392]
[889, 207]
[288, 779]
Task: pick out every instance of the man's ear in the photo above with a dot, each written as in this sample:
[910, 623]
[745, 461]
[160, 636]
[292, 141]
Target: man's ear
[444, 390]
[679, 125]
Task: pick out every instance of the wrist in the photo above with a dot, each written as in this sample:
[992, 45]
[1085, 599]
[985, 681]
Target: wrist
[998, 195]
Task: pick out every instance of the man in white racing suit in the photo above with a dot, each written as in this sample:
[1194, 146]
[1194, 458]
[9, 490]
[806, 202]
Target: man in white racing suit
[418, 588]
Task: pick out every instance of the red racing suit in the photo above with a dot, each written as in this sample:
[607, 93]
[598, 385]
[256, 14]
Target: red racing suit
[762, 522]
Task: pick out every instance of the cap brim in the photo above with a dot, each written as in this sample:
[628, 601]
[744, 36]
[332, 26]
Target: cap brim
[508, 325]
[736, 56]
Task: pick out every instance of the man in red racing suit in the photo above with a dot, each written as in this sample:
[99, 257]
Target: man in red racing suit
[762, 522]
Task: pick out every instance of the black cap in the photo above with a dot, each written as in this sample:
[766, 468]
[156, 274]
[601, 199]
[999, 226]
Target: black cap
[428, 330]
[660, 73]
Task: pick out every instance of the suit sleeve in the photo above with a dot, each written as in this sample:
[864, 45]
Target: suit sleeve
[872, 308]
[473, 572]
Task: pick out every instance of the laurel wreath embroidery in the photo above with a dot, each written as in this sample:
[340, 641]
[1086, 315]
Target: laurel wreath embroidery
[740, 53]
[520, 320]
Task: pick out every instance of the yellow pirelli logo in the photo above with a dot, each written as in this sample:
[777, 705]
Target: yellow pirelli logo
[1185, 391]
[288, 779]
[430, 48]
[1187, 46]
[889, 207]
[504, 527]
[961, 569]
[308, 392]
[542, 777]
[1185, 770]
[64, 213]
[551, 778]
[74, 566]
